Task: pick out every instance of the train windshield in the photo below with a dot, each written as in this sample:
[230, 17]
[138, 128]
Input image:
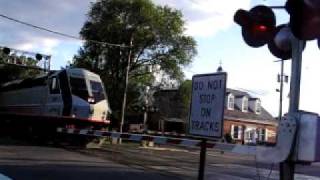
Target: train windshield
[79, 87]
[97, 91]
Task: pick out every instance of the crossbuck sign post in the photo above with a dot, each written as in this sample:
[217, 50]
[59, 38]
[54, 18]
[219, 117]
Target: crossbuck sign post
[206, 110]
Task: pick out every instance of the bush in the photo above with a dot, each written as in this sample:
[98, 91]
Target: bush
[228, 138]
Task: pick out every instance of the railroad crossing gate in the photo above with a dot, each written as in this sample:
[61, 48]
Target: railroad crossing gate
[207, 105]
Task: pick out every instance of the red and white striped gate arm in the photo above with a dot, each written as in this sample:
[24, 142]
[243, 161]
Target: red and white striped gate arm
[234, 148]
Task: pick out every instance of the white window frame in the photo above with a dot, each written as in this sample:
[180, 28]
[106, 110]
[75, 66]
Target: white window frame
[230, 104]
[258, 107]
[245, 104]
[239, 131]
[265, 135]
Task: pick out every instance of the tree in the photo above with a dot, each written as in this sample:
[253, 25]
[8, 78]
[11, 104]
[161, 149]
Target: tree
[184, 94]
[157, 37]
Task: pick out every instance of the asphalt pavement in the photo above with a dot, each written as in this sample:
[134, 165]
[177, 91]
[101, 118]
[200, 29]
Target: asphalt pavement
[132, 161]
[47, 163]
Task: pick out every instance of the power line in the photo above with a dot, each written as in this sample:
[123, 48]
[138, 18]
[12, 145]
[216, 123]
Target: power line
[59, 33]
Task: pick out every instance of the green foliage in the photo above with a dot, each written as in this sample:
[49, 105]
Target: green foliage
[228, 138]
[184, 93]
[157, 36]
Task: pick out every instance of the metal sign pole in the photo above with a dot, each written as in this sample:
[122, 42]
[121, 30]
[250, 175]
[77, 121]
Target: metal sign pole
[202, 164]
[287, 167]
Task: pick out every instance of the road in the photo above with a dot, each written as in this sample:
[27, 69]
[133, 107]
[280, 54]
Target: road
[184, 163]
[34, 162]
[131, 161]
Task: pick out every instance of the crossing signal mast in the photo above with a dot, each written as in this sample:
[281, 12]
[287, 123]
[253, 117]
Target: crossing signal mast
[295, 144]
[25, 59]
[259, 28]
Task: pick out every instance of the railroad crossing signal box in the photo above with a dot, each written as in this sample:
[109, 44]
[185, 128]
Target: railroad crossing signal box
[307, 148]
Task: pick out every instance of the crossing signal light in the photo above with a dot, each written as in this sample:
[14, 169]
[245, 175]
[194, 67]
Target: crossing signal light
[38, 57]
[304, 18]
[280, 46]
[6, 50]
[262, 28]
[258, 25]
[259, 28]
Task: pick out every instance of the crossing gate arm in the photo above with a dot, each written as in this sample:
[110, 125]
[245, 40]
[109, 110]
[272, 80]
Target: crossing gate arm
[232, 148]
[298, 134]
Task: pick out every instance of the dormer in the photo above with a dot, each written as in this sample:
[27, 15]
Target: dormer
[241, 102]
[230, 101]
[255, 105]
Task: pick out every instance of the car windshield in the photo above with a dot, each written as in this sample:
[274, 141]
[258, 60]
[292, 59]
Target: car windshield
[97, 91]
[79, 88]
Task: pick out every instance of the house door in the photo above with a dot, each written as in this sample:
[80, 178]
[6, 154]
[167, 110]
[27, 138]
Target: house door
[250, 135]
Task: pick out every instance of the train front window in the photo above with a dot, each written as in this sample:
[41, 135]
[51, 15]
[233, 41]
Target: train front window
[97, 91]
[79, 88]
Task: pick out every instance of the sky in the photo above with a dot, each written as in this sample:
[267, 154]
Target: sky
[210, 22]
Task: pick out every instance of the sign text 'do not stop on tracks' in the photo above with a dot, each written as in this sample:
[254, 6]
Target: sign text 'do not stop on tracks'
[207, 105]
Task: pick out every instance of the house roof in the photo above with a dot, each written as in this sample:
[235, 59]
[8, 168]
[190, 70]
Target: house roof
[250, 115]
[237, 92]
[263, 116]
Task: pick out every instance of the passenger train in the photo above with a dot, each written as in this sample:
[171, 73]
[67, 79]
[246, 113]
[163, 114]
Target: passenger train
[70, 93]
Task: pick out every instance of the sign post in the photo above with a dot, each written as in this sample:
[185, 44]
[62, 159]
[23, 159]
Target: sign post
[206, 110]
[202, 163]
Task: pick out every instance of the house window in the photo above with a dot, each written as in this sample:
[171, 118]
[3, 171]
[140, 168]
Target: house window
[250, 134]
[236, 132]
[258, 107]
[262, 135]
[245, 105]
[231, 102]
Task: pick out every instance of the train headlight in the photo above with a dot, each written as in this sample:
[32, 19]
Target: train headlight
[90, 100]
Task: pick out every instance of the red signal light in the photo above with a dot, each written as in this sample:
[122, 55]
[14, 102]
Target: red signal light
[262, 28]
[257, 25]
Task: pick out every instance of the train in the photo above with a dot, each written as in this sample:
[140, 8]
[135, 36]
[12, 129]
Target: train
[67, 94]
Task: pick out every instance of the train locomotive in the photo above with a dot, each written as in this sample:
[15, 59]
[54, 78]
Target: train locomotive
[70, 95]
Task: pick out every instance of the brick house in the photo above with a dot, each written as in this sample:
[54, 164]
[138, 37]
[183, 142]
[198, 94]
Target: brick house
[246, 121]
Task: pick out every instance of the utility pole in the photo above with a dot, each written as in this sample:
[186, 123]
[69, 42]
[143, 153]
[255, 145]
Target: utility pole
[287, 167]
[124, 101]
[146, 104]
[281, 90]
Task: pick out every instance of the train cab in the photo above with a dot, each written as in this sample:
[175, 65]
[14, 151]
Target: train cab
[69, 93]
[88, 94]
